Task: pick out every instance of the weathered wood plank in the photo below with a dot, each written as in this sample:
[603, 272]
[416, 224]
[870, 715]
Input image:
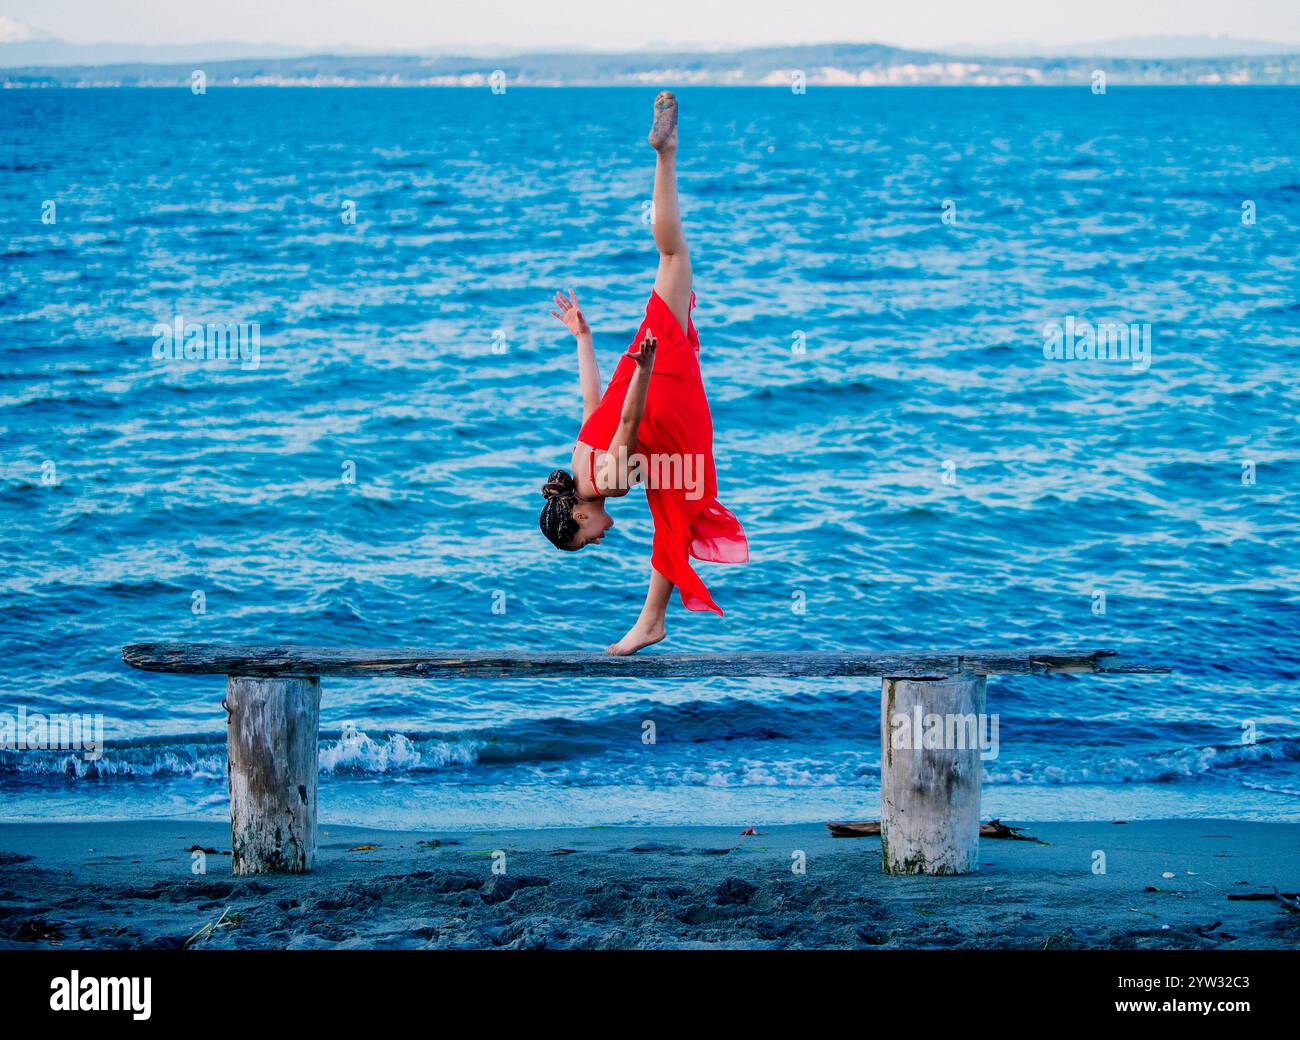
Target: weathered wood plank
[290, 660]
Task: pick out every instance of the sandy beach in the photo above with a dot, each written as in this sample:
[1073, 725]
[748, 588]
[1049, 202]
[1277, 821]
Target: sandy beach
[1167, 885]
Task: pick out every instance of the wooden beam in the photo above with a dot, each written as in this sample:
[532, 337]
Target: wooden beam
[290, 660]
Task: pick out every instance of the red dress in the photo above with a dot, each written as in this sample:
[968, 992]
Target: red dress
[689, 520]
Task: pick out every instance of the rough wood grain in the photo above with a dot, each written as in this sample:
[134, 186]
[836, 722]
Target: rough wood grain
[929, 796]
[271, 761]
[289, 660]
[871, 829]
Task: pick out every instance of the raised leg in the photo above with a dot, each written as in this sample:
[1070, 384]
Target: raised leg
[271, 761]
[930, 774]
[649, 627]
[673, 279]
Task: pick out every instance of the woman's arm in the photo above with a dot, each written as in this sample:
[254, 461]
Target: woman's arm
[588, 375]
[623, 445]
[570, 313]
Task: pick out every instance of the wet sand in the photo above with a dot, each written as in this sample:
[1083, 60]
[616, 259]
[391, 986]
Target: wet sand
[131, 885]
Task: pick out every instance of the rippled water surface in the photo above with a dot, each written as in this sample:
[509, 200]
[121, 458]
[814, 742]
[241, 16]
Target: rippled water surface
[912, 472]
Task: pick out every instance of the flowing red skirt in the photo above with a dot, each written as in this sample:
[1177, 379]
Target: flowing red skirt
[689, 520]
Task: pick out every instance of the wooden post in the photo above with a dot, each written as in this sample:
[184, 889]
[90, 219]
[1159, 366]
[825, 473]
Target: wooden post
[930, 789]
[271, 763]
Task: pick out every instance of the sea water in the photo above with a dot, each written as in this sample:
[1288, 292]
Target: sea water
[277, 365]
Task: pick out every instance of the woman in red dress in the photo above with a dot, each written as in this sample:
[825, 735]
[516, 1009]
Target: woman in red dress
[651, 426]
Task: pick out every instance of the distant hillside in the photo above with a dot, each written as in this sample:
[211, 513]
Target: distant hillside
[821, 65]
[1178, 47]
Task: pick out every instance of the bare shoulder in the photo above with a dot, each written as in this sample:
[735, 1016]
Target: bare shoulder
[581, 463]
[587, 462]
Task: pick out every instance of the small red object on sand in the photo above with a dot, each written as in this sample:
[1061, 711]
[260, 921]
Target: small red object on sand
[749, 832]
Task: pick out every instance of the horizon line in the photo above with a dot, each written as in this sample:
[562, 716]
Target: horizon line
[464, 49]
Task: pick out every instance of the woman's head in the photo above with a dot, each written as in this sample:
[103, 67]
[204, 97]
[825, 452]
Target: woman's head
[570, 522]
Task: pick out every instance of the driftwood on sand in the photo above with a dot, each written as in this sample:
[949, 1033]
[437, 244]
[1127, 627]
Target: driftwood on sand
[992, 829]
[1289, 901]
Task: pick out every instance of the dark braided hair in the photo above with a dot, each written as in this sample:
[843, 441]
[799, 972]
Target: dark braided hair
[557, 521]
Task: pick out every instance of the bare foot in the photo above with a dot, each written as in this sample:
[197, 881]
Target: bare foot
[663, 132]
[638, 636]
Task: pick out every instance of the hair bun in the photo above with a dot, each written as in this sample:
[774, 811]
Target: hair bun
[559, 485]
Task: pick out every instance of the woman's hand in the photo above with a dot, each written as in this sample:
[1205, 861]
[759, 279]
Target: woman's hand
[644, 355]
[571, 314]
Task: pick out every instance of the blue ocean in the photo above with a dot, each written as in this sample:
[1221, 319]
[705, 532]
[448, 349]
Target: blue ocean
[879, 274]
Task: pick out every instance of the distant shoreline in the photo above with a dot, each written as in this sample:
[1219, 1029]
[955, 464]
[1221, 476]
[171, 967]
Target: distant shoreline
[1044, 87]
[794, 68]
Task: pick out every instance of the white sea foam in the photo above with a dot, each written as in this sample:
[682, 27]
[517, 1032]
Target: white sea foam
[356, 751]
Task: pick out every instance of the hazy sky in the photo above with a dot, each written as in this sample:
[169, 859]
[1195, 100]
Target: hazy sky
[616, 24]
